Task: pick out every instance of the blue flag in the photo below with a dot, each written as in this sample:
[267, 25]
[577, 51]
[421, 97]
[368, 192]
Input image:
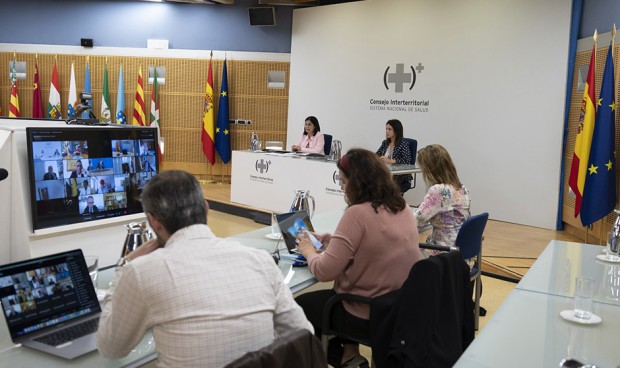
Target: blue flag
[120, 101]
[87, 89]
[599, 194]
[222, 130]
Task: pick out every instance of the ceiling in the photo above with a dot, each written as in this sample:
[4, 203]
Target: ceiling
[301, 3]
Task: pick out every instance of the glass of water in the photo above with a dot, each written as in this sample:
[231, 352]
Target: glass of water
[584, 292]
[92, 262]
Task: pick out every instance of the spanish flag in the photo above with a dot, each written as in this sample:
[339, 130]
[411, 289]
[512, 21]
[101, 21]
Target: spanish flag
[208, 125]
[585, 129]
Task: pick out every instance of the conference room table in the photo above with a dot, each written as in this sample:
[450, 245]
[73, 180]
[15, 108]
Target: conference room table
[297, 278]
[269, 180]
[527, 329]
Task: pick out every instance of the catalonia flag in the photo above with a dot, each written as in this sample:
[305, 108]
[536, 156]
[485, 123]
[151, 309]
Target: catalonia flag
[599, 196]
[583, 142]
[222, 131]
[138, 104]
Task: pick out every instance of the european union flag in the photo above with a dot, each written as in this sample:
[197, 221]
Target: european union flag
[599, 195]
[222, 130]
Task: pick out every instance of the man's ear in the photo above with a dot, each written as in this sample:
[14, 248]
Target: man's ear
[155, 224]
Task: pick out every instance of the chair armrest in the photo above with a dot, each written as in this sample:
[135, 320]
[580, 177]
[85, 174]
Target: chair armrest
[441, 248]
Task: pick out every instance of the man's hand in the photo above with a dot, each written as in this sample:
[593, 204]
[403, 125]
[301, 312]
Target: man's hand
[144, 249]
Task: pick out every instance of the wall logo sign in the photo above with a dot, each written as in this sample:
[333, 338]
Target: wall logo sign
[336, 178]
[262, 166]
[400, 78]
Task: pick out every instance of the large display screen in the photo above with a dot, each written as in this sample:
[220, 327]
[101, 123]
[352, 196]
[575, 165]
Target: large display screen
[80, 174]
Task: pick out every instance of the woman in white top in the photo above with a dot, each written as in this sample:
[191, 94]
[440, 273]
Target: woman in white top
[312, 140]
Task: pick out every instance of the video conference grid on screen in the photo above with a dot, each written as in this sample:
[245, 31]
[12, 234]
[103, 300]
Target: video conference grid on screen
[87, 174]
[49, 291]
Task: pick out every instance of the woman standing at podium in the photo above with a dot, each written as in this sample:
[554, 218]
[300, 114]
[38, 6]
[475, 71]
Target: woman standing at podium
[395, 150]
[312, 140]
[370, 253]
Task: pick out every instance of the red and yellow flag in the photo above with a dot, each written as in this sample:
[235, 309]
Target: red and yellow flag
[208, 125]
[585, 130]
[37, 104]
[14, 103]
[138, 105]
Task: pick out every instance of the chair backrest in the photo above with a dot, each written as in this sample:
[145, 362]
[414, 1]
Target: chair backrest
[413, 148]
[299, 348]
[328, 143]
[469, 238]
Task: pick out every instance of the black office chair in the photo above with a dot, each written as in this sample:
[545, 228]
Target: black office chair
[413, 149]
[328, 144]
[384, 310]
[298, 348]
[469, 242]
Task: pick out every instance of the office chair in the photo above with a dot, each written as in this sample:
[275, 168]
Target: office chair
[328, 144]
[469, 242]
[298, 348]
[387, 311]
[413, 149]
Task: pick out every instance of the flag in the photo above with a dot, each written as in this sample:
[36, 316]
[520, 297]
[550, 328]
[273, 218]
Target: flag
[106, 116]
[138, 105]
[86, 114]
[37, 104]
[583, 142]
[53, 106]
[155, 112]
[72, 102]
[14, 103]
[120, 100]
[222, 132]
[599, 196]
[208, 127]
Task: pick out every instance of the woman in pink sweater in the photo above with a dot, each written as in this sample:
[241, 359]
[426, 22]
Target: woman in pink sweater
[370, 253]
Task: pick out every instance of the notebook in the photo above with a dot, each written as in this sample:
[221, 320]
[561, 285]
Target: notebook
[292, 224]
[50, 304]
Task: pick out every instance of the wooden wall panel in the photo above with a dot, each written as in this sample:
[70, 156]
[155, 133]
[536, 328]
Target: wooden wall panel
[181, 99]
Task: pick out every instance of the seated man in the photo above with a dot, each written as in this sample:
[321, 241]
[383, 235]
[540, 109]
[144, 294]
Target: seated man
[207, 300]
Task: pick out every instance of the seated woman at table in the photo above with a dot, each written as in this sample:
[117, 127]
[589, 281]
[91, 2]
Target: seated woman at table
[370, 253]
[395, 150]
[446, 203]
[312, 140]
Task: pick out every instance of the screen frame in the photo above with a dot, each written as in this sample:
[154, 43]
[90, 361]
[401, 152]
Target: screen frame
[101, 135]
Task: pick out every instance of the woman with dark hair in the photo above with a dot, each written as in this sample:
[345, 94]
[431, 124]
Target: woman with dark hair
[312, 140]
[370, 253]
[395, 150]
[446, 203]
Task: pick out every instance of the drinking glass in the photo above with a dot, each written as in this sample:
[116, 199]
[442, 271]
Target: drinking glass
[584, 291]
[613, 247]
[92, 262]
[275, 228]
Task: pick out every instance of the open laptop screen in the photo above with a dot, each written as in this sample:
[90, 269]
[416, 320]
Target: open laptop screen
[46, 291]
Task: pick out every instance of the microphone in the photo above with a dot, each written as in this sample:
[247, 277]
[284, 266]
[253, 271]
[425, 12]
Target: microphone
[3, 174]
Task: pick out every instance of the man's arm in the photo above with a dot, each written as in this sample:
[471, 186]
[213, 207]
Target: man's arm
[288, 314]
[124, 318]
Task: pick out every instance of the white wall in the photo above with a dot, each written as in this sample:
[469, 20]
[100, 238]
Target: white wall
[494, 77]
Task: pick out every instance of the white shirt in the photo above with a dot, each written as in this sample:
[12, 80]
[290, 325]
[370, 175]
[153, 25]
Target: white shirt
[207, 300]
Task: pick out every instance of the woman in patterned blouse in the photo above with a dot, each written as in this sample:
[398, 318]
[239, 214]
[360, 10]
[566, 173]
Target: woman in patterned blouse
[446, 203]
[395, 150]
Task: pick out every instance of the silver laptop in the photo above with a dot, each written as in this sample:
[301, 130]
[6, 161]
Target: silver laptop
[50, 304]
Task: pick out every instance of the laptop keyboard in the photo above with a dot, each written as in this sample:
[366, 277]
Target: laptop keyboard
[70, 333]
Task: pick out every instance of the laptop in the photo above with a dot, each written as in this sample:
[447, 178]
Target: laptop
[291, 225]
[50, 304]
